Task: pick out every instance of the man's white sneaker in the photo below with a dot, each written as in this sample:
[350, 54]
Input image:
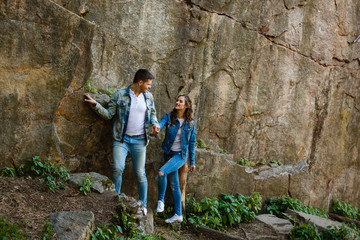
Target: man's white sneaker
[175, 218]
[160, 206]
[144, 210]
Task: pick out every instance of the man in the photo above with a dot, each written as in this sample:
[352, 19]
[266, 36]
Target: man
[134, 110]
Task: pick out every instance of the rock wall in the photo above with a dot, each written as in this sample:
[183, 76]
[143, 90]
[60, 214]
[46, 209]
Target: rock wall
[277, 80]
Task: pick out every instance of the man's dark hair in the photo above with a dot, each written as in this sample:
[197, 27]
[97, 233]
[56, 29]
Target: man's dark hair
[142, 74]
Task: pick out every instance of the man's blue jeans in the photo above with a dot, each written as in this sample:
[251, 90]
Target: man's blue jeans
[170, 168]
[136, 146]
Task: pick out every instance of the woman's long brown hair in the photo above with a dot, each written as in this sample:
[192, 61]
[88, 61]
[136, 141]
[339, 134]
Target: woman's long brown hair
[188, 111]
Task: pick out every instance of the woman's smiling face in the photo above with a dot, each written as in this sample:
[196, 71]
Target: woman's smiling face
[180, 103]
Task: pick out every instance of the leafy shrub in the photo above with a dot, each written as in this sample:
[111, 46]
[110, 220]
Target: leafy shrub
[222, 150]
[10, 231]
[338, 233]
[345, 209]
[122, 227]
[220, 213]
[305, 231]
[309, 231]
[85, 185]
[8, 172]
[245, 162]
[107, 232]
[278, 205]
[48, 231]
[200, 143]
[53, 176]
[279, 163]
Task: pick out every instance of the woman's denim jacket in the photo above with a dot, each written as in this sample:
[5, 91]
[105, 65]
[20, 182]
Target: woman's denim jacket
[188, 136]
[119, 106]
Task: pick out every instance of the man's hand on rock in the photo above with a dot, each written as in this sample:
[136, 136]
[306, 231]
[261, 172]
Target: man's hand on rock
[89, 99]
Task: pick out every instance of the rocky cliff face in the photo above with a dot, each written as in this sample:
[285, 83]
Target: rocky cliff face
[269, 79]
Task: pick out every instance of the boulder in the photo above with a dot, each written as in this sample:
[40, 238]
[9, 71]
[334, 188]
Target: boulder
[74, 225]
[145, 223]
[99, 183]
[281, 226]
[320, 222]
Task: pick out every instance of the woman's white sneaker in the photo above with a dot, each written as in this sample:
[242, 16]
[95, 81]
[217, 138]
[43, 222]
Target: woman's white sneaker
[175, 218]
[160, 206]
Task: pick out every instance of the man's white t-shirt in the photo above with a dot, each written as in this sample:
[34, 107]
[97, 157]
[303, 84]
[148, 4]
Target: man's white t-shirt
[136, 121]
[177, 143]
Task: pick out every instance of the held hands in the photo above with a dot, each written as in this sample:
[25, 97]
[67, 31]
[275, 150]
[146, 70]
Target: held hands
[89, 99]
[155, 129]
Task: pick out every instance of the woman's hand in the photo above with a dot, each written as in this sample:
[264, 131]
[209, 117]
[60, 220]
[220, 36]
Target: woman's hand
[192, 168]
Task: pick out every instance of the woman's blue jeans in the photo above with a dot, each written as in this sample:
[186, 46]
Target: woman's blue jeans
[136, 146]
[170, 168]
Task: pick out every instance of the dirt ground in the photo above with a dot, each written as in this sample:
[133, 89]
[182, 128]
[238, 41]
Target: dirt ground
[22, 199]
[29, 200]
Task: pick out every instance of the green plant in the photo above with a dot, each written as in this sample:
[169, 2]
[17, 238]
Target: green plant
[53, 176]
[48, 231]
[89, 88]
[107, 232]
[122, 227]
[10, 231]
[200, 143]
[345, 209]
[305, 231]
[220, 213]
[262, 161]
[85, 185]
[277, 162]
[278, 205]
[8, 172]
[222, 150]
[245, 162]
[309, 231]
[338, 233]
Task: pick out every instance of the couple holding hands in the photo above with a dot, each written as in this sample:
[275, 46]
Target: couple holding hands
[134, 111]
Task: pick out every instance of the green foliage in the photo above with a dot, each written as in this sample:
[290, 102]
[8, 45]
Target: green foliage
[106, 232]
[8, 172]
[48, 231]
[278, 205]
[85, 185]
[309, 231]
[305, 231]
[277, 162]
[200, 143]
[53, 176]
[345, 209]
[222, 150]
[89, 88]
[245, 162]
[220, 213]
[262, 161]
[122, 227]
[10, 231]
[338, 233]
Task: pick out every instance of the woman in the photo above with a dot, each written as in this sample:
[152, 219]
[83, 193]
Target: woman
[179, 143]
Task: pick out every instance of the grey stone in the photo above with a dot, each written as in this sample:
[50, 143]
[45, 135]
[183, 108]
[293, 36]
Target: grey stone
[281, 226]
[320, 222]
[145, 223]
[74, 225]
[99, 183]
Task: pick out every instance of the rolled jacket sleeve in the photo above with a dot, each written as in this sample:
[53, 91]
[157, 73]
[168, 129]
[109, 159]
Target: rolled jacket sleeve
[111, 109]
